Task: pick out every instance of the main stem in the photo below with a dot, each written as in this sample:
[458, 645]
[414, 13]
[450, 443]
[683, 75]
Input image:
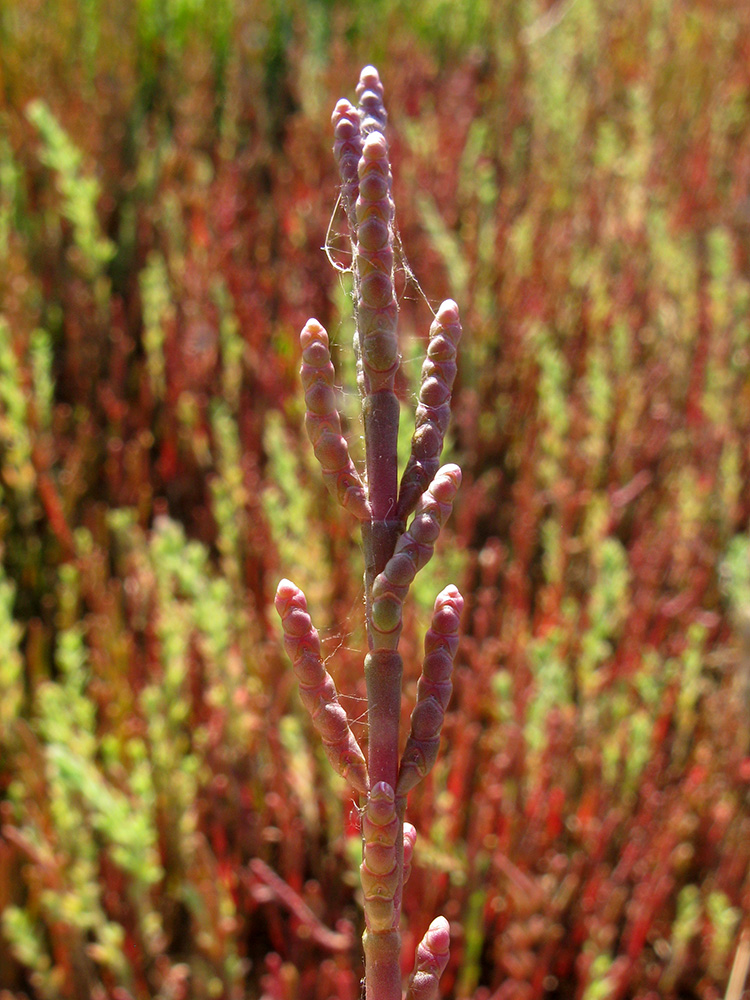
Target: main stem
[383, 669]
[380, 413]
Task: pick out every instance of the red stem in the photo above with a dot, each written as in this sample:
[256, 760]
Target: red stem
[383, 948]
[383, 670]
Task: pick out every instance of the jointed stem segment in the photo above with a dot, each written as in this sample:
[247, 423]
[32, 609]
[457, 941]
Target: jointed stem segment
[347, 150]
[323, 423]
[317, 689]
[412, 551]
[433, 691]
[433, 408]
[393, 553]
[430, 962]
[379, 869]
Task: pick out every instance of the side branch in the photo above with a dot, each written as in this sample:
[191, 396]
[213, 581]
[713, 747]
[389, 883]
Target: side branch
[347, 150]
[431, 959]
[372, 113]
[413, 551]
[433, 408]
[373, 240]
[433, 691]
[379, 869]
[377, 309]
[323, 423]
[317, 689]
[381, 873]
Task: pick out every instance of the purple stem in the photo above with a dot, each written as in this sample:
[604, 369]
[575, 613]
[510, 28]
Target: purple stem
[377, 313]
[380, 413]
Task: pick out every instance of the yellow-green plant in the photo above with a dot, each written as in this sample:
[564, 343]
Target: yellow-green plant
[78, 191]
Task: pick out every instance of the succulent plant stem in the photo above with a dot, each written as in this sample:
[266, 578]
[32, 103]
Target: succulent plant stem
[394, 553]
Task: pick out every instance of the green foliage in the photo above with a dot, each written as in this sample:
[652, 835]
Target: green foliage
[558, 91]
[175, 19]
[553, 687]
[446, 245]
[723, 919]
[9, 190]
[606, 610]
[27, 946]
[15, 440]
[40, 358]
[232, 347]
[290, 510]
[85, 813]
[735, 573]
[157, 307]
[553, 410]
[79, 192]
[691, 683]
[600, 983]
[11, 664]
[229, 496]
[599, 395]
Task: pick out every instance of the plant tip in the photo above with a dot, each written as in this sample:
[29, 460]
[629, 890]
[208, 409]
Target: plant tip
[447, 312]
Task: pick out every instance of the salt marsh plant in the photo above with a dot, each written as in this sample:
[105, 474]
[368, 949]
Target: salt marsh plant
[393, 551]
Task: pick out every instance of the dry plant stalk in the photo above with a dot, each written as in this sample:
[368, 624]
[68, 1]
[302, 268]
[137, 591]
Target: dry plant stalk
[394, 553]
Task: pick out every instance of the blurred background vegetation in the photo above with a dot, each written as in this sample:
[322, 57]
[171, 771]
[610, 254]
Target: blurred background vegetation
[576, 174]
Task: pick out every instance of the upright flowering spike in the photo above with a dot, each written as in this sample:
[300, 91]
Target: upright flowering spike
[323, 423]
[413, 550]
[347, 150]
[433, 408]
[379, 869]
[316, 687]
[433, 691]
[376, 314]
[377, 309]
[432, 956]
[372, 113]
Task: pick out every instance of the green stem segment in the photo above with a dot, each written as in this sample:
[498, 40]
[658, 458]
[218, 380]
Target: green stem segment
[382, 965]
[382, 872]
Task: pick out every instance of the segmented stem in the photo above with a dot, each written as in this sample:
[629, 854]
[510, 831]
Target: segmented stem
[373, 116]
[377, 309]
[377, 314]
[347, 150]
[379, 868]
[433, 691]
[375, 340]
[383, 673]
[323, 423]
[413, 550]
[393, 552]
[434, 407]
[381, 873]
[317, 689]
[431, 958]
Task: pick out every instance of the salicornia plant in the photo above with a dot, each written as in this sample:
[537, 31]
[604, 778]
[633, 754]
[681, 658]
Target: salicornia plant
[394, 553]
